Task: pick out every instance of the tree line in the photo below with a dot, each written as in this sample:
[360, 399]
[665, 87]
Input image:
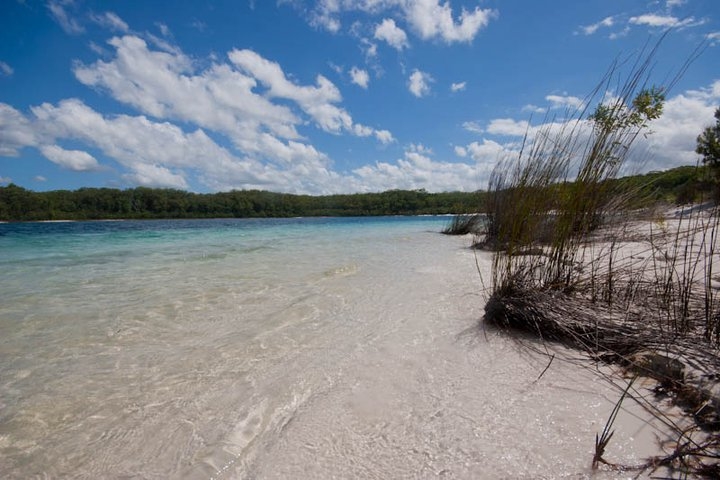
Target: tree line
[682, 184]
[20, 204]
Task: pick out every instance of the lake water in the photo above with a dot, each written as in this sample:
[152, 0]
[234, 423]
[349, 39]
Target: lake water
[297, 348]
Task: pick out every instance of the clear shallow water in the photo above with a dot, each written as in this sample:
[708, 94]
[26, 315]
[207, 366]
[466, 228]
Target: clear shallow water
[299, 348]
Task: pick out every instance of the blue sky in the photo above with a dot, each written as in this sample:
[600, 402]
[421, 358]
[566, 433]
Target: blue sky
[324, 96]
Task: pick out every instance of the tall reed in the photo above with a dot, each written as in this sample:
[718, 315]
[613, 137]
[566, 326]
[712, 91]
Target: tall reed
[558, 188]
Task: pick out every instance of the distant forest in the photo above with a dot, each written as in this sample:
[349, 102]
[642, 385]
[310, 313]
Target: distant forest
[679, 185]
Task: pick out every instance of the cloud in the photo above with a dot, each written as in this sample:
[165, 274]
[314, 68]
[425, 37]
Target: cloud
[486, 155]
[6, 69]
[415, 170]
[419, 83]
[458, 87]
[653, 20]
[248, 100]
[392, 34]
[236, 99]
[533, 109]
[508, 127]
[384, 136]
[5, 180]
[674, 134]
[111, 21]
[16, 132]
[564, 101]
[39, 178]
[160, 154]
[460, 151]
[164, 29]
[155, 176]
[369, 48]
[77, 160]
[620, 34]
[428, 18]
[317, 101]
[432, 20]
[323, 15]
[59, 13]
[142, 146]
[591, 29]
[663, 21]
[419, 148]
[669, 141]
[488, 150]
[360, 77]
[163, 155]
[472, 126]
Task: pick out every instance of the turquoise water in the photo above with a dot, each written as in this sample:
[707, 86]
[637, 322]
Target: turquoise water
[294, 348]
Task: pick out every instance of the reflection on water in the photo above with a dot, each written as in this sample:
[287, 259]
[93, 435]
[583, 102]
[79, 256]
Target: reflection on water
[303, 348]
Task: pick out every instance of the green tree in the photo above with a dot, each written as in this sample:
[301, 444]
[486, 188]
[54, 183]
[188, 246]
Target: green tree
[708, 145]
[616, 116]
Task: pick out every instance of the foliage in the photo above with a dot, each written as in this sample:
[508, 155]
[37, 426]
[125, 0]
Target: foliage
[19, 204]
[646, 106]
[708, 145]
[679, 185]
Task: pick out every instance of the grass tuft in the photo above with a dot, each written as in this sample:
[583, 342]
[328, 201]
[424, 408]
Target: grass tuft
[464, 224]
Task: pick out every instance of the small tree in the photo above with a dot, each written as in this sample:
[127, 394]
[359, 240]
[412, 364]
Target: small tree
[708, 145]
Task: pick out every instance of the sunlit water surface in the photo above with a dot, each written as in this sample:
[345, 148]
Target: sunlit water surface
[299, 348]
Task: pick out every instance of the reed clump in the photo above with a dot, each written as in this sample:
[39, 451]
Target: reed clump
[463, 224]
[599, 280]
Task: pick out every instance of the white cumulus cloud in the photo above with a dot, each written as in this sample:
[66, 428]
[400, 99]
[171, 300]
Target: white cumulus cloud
[360, 77]
[430, 19]
[674, 134]
[392, 34]
[668, 142]
[663, 21]
[16, 131]
[77, 160]
[458, 87]
[384, 136]
[473, 126]
[415, 170]
[236, 99]
[564, 101]
[533, 109]
[419, 83]
[508, 127]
